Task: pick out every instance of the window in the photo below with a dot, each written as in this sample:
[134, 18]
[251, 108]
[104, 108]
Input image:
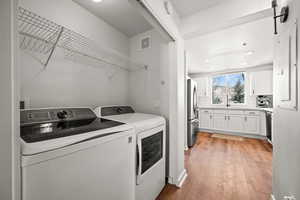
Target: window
[228, 89]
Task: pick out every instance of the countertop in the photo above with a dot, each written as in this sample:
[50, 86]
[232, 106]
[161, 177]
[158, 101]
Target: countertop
[236, 108]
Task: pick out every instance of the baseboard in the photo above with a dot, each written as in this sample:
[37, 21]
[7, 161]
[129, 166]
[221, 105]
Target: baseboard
[236, 134]
[181, 178]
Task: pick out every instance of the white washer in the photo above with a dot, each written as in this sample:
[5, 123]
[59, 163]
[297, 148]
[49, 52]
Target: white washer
[151, 147]
[71, 154]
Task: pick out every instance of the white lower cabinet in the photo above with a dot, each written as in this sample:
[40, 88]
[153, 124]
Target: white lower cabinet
[235, 123]
[241, 121]
[205, 119]
[219, 121]
[252, 124]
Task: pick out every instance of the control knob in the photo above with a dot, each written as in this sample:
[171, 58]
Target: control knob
[62, 114]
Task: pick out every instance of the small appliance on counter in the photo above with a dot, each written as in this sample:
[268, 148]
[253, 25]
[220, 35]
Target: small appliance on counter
[264, 101]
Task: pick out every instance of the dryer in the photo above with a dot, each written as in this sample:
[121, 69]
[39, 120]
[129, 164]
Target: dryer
[150, 148]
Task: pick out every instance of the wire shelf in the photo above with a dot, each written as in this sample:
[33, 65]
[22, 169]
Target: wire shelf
[40, 37]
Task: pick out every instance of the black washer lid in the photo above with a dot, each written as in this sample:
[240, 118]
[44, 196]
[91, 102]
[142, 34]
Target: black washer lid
[45, 124]
[116, 110]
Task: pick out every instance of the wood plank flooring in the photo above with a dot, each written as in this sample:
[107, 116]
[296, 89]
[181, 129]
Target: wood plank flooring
[222, 169]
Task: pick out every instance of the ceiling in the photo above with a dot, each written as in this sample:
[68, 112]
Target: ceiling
[190, 7]
[224, 50]
[118, 13]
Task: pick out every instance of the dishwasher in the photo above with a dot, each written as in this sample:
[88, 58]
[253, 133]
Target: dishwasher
[269, 122]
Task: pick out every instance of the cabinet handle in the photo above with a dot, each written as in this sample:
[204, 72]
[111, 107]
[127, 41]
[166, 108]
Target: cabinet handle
[225, 117]
[253, 91]
[210, 117]
[246, 119]
[228, 117]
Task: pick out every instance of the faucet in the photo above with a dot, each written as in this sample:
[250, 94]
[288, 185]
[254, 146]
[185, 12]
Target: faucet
[227, 101]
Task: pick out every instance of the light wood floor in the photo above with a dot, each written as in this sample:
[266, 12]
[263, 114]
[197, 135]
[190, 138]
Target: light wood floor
[221, 169]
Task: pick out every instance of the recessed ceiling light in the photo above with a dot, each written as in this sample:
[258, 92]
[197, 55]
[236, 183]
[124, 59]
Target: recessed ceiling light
[97, 1]
[250, 52]
[207, 61]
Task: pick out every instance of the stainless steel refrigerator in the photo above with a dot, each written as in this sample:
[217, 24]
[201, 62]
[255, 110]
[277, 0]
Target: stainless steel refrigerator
[192, 113]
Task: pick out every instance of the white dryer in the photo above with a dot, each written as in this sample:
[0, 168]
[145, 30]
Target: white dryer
[151, 148]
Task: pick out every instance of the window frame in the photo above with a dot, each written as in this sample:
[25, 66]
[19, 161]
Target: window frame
[226, 102]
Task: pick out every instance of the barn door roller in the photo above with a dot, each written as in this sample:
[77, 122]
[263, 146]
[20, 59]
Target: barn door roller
[284, 14]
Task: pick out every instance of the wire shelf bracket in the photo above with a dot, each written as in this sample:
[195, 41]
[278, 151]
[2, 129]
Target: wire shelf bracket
[41, 37]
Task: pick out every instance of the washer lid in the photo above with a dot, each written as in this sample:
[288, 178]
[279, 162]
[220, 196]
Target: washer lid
[34, 148]
[45, 124]
[140, 121]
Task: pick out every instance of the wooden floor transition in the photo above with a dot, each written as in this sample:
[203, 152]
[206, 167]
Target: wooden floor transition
[225, 169]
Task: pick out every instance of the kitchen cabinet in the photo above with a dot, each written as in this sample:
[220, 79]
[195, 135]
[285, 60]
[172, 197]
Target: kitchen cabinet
[235, 121]
[205, 119]
[219, 121]
[202, 86]
[252, 124]
[261, 83]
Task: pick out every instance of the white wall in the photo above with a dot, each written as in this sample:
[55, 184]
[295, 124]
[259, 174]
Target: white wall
[71, 15]
[250, 100]
[221, 15]
[67, 83]
[177, 87]
[147, 88]
[9, 115]
[286, 159]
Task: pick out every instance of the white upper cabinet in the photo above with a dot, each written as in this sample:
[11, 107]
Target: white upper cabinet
[261, 83]
[202, 85]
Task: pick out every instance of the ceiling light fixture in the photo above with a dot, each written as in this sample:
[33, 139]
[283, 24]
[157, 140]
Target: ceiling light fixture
[97, 1]
[250, 53]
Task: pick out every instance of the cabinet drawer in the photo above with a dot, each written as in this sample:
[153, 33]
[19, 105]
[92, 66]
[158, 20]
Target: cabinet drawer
[252, 112]
[205, 111]
[217, 111]
[235, 112]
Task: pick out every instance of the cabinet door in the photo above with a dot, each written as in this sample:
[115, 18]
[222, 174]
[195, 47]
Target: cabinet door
[252, 124]
[219, 121]
[205, 119]
[202, 84]
[261, 83]
[235, 123]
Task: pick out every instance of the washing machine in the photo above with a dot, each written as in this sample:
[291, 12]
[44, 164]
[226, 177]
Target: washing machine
[70, 153]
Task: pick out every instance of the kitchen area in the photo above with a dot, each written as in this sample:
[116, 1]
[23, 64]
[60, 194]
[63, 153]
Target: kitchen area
[249, 119]
[233, 81]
